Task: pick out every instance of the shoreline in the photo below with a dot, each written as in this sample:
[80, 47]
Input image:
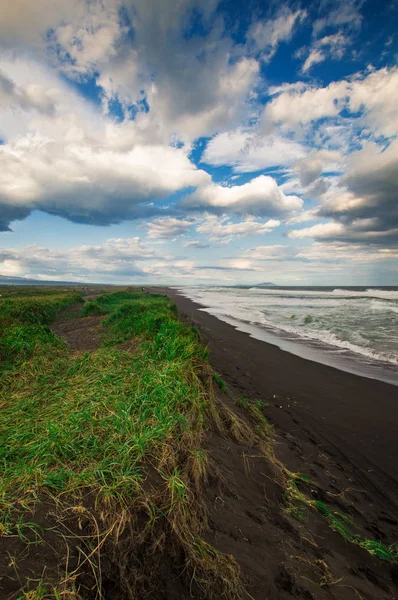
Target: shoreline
[344, 361]
[351, 359]
[355, 416]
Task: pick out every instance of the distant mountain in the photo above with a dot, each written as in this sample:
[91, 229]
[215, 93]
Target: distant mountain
[6, 280]
[248, 285]
[265, 284]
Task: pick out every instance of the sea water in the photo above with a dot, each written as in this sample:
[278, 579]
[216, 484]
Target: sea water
[355, 329]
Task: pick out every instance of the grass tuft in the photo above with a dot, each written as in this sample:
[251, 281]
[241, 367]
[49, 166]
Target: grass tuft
[116, 430]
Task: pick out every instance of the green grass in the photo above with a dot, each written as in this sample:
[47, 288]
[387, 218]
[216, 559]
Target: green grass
[255, 410]
[89, 420]
[73, 423]
[337, 521]
[24, 324]
[220, 382]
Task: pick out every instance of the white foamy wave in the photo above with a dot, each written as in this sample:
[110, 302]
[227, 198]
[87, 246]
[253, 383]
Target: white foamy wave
[369, 293]
[363, 322]
[383, 306]
[341, 293]
[331, 339]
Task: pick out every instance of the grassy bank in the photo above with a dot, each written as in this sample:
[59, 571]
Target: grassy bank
[111, 439]
[24, 320]
[103, 467]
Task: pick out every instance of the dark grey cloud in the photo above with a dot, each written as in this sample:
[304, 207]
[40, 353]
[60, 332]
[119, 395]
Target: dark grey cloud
[367, 206]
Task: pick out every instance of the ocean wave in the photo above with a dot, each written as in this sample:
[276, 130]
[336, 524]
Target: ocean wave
[339, 292]
[369, 293]
[383, 306]
[329, 338]
[342, 320]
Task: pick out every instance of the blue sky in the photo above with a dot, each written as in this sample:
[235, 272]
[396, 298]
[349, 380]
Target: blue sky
[205, 142]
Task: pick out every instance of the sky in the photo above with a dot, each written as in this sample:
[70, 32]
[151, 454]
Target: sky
[200, 142]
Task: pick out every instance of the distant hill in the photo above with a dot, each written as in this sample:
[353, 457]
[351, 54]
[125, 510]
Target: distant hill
[251, 285]
[265, 284]
[5, 280]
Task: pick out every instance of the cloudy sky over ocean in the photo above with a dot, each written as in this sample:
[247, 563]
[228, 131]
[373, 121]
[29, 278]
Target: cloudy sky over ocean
[199, 141]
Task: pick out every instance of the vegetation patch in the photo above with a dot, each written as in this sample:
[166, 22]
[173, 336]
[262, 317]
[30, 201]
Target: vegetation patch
[101, 453]
[338, 522]
[24, 324]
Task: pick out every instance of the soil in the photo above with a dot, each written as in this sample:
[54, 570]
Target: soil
[79, 334]
[323, 421]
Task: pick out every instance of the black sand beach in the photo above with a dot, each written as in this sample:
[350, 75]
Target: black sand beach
[355, 415]
[339, 429]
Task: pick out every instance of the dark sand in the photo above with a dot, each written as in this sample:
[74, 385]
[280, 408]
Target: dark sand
[339, 429]
[356, 416]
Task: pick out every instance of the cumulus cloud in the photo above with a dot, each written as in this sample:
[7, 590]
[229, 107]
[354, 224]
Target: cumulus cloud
[27, 97]
[166, 228]
[225, 230]
[144, 62]
[137, 53]
[363, 205]
[316, 162]
[116, 143]
[343, 252]
[371, 95]
[247, 151]
[319, 231]
[79, 165]
[260, 197]
[114, 258]
[120, 260]
[86, 182]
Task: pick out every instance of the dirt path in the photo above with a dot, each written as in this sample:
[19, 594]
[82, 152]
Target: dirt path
[79, 334]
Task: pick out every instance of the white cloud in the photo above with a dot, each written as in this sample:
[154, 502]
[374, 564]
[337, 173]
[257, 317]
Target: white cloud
[195, 244]
[248, 152]
[84, 47]
[143, 63]
[341, 251]
[261, 196]
[315, 57]
[166, 228]
[266, 253]
[78, 164]
[322, 230]
[372, 95]
[225, 230]
[113, 258]
[330, 46]
[82, 180]
[337, 14]
[267, 35]
[27, 97]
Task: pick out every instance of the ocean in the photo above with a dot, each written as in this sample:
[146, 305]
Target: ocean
[354, 329]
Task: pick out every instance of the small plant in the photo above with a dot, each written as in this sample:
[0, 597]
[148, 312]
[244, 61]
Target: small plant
[220, 382]
[337, 521]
